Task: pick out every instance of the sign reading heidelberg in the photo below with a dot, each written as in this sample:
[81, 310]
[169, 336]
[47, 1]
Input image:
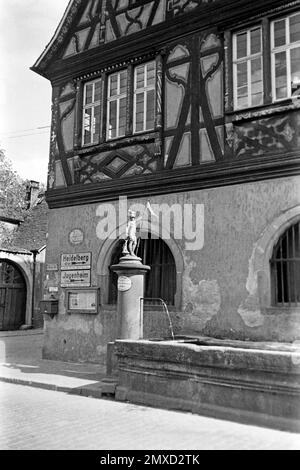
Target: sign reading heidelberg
[76, 261]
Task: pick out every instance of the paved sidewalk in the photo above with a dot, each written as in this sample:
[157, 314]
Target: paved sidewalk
[21, 363]
[29, 415]
[35, 419]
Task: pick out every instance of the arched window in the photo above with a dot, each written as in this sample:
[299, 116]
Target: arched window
[160, 280]
[285, 268]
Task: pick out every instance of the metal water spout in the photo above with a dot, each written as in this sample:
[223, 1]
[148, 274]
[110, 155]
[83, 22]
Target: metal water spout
[165, 310]
[169, 317]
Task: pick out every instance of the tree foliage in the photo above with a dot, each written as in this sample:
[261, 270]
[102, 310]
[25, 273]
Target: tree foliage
[12, 198]
[12, 189]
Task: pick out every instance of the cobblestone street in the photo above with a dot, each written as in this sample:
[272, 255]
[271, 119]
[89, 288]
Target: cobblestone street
[46, 420]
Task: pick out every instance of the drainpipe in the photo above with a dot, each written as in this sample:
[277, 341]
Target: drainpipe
[34, 252]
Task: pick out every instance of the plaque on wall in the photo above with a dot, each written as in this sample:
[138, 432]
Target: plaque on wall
[124, 283]
[82, 300]
[76, 237]
[53, 289]
[78, 278]
[75, 261]
[52, 267]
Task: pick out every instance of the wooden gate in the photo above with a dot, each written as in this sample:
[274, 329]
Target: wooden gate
[12, 296]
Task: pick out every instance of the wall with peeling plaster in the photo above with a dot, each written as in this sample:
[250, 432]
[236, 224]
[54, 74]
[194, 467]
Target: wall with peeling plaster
[219, 293]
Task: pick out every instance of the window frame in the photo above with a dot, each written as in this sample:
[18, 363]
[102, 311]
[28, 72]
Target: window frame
[287, 47]
[144, 90]
[118, 99]
[92, 106]
[105, 100]
[248, 59]
[268, 51]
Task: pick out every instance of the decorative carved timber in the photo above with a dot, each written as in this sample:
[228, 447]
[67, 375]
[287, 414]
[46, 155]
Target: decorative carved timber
[186, 179]
[206, 46]
[154, 12]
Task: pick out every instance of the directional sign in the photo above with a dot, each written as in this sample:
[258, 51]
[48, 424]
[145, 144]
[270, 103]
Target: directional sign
[76, 278]
[75, 261]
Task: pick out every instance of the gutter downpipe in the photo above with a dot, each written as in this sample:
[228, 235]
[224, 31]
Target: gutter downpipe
[34, 253]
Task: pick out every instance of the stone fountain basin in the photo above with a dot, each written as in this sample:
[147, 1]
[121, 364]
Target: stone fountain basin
[249, 382]
[209, 341]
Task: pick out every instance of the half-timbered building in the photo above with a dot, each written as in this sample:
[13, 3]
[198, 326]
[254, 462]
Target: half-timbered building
[191, 104]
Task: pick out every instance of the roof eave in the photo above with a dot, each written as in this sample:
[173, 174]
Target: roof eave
[36, 67]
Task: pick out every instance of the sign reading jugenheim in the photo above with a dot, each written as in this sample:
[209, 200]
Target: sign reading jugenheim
[76, 278]
[75, 261]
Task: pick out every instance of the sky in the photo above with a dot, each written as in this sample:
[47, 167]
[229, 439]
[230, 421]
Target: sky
[26, 27]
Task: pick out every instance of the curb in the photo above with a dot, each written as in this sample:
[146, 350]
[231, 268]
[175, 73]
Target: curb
[28, 383]
[20, 333]
[102, 389]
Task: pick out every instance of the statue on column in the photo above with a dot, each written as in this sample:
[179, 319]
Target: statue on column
[130, 243]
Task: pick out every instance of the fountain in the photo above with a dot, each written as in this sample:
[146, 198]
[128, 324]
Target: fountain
[248, 382]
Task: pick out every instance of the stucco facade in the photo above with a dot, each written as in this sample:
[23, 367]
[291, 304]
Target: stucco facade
[223, 288]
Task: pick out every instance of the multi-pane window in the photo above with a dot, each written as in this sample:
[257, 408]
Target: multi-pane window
[285, 44]
[116, 104]
[247, 66]
[124, 100]
[91, 112]
[144, 97]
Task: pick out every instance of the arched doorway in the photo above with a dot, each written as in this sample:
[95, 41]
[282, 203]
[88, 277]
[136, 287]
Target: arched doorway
[12, 296]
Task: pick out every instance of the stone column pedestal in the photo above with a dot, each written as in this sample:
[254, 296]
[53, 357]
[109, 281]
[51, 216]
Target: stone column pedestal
[131, 274]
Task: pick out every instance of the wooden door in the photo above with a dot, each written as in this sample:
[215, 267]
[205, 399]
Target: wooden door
[12, 296]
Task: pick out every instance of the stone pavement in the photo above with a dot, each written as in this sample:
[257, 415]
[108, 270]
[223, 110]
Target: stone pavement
[21, 363]
[35, 419]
